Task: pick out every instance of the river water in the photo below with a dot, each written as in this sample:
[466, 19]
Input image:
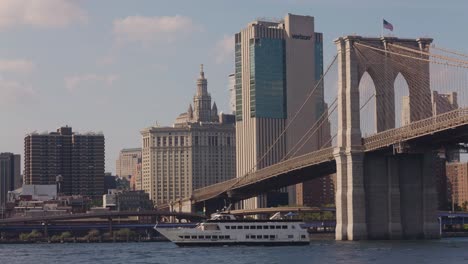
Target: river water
[450, 250]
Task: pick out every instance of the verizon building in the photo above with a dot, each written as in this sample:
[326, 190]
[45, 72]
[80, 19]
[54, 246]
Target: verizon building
[277, 64]
[73, 161]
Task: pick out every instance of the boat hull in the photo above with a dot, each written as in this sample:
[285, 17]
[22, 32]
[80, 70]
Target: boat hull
[243, 243]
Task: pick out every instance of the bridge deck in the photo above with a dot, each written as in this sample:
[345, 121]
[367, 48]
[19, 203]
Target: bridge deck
[442, 122]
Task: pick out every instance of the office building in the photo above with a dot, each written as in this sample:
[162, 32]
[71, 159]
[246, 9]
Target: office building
[72, 161]
[457, 183]
[232, 93]
[10, 177]
[198, 150]
[277, 65]
[126, 164]
[441, 103]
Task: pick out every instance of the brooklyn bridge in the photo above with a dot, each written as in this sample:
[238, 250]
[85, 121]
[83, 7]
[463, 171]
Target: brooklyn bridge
[393, 106]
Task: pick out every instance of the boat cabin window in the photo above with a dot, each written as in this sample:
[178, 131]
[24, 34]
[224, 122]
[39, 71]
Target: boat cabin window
[293, 227]
[228, 227]
[252, 227]
[278, 227]
[284, 227]
[239, 227]
[214, 237]
[272, 227]
[259, 237]
[272, 236]
[208, 237]
[221, 237]
[259, 227]
[201, 237]
[187, 237]
[303, 236]
[265, 227]
[227, 237]
[233, 227]
[265, 236]
[194, 237]
[210, 227]
[246, 227]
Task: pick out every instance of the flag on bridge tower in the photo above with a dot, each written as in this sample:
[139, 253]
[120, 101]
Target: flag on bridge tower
[387, 25]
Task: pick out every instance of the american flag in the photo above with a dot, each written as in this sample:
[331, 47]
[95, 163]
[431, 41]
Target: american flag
[387, 25]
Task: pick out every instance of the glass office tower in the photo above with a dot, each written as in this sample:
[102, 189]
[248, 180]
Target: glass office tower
[277, 64]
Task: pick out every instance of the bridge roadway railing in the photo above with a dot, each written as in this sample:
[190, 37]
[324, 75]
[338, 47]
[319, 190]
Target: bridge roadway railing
[295, 163]
[213, 190]
[306, 160]
[419, 128]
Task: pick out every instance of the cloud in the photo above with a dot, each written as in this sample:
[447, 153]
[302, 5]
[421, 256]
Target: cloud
[148, 30]
[225, 49]
[14, 92]
[16, 66]
[74, 82]
[40, 13]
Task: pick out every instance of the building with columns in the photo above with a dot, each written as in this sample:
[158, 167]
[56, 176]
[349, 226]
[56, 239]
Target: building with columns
[277, 65]
[198, 150]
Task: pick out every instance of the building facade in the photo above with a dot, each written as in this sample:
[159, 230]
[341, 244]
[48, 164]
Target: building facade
[441, 103]
[277, 65]
[74, 162]
[10, 176]
[199, 150]
[127, 163]
[457, 183]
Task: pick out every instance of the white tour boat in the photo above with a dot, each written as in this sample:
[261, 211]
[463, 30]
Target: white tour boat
[225, 229]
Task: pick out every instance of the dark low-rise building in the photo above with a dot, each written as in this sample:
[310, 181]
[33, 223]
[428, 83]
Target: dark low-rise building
[132, 201]
[127, 200]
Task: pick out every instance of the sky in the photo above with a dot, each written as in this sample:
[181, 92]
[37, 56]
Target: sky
[118, 66]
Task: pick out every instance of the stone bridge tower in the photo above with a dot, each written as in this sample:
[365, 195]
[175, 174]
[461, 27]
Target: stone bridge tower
[382, 196]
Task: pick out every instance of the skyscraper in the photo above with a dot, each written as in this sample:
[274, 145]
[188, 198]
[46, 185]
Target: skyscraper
[10, 177]
[73, 161]
[277, 65]
[199, 150]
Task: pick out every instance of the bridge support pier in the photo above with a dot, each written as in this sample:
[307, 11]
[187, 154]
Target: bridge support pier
[381, 196]
[401, 197]
[350, 196]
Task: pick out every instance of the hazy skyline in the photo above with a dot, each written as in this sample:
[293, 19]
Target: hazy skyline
[120, 66]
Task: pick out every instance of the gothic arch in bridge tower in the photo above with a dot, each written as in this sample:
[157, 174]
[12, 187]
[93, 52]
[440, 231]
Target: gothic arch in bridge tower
[357, 55]
[383, 68]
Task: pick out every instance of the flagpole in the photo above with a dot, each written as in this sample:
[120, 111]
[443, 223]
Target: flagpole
[381, 27]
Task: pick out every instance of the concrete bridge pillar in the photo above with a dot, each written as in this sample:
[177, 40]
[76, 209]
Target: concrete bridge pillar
[340, 199]
[401, 197]
[381, 196]
[350, 206]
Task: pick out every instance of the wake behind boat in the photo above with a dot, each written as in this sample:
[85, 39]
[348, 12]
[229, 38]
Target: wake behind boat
[225, 229]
